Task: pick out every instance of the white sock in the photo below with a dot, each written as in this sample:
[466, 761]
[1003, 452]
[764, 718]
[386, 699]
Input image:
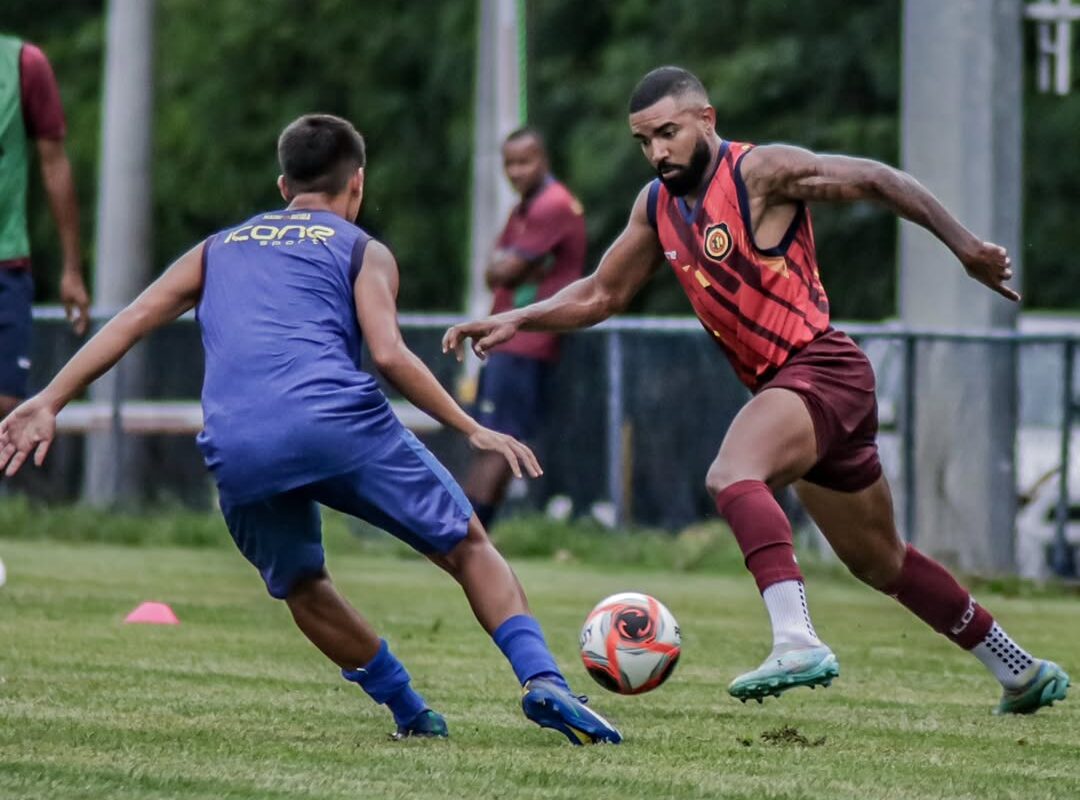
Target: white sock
[1009, 662]
[790, 617]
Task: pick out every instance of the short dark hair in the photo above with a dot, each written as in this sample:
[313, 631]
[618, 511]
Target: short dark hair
[319, 153]
[526, 131]
[664, 82]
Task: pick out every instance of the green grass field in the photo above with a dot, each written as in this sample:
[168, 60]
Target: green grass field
[234, 704]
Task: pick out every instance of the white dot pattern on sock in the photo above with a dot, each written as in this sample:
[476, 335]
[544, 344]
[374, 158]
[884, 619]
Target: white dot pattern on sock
[1015, 658]
[789, 615]
[806, 610]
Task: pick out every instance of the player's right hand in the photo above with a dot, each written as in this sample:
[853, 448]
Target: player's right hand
[515, 453]
[990, 265]
[485, 333]
[30, 428]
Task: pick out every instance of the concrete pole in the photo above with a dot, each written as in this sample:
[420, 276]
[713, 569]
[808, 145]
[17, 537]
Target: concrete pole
[497, 112]
[123, 252]
[961, 137]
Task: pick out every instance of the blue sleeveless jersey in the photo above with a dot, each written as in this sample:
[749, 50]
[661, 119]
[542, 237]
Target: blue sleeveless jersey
[285, 402]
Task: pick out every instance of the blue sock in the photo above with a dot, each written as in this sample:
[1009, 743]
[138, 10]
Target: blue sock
[522, 642]
[386, 682]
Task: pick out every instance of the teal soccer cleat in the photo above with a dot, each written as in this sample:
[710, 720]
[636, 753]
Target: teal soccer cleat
[551, 706]
[1050, 683]
[803, 666]
[427, 724]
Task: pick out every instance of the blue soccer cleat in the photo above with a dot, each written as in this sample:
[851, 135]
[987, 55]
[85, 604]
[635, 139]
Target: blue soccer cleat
[1049, 683]
[551, 706]
[803, 666]
[427, 724]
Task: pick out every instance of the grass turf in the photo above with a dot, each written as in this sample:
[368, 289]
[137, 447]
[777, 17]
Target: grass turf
[234, 704]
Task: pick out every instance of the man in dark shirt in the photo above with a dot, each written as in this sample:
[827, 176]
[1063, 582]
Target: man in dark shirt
[540, 250]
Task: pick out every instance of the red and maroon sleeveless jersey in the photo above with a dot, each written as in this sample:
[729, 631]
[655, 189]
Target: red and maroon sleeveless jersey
[759, 305]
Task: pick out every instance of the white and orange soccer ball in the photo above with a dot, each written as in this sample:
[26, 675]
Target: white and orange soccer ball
[630, 643]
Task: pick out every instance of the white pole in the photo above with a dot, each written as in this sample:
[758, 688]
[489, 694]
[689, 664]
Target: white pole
[123, 250]
[1063, 40]
[961, 136]
[497, 112]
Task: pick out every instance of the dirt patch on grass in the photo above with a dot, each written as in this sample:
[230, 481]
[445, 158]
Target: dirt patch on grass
[790, 736]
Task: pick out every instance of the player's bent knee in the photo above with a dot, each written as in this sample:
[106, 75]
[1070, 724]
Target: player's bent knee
[720, 476]
[475, 544]
[295, 582]
[466, 550]
[308, 585]
[878, 569]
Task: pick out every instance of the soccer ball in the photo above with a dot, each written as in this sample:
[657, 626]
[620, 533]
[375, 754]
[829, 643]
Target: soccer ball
[630, 643]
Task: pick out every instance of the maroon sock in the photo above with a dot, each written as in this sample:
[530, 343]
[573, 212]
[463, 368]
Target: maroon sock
[762, 531]
[929, 592]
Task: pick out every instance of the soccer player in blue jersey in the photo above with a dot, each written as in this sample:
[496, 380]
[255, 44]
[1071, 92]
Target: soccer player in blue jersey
[291, 421]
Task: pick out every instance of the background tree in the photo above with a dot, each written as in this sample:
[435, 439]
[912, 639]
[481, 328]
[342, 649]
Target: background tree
[230, 74]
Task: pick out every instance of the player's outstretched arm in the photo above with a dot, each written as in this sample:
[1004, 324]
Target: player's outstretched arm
[376, 308]
[30, 428]
[778, 174]
[627, 265]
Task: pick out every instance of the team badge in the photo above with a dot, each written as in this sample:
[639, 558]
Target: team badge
[717, 241]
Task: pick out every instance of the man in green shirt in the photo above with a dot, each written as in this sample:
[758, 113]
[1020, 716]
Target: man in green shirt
[30, 112]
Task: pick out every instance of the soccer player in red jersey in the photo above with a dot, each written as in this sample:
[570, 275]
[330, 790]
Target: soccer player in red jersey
[731, 220]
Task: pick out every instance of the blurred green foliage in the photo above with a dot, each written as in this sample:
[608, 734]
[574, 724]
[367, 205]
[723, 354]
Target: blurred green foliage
[230, 74]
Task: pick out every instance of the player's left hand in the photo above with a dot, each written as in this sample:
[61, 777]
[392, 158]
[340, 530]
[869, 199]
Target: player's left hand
[990, 265]
[515, 453]
[30, 428]
[76, 301]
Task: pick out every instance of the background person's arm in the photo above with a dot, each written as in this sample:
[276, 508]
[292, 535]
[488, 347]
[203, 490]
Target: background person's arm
[508, 269]
[60, 188]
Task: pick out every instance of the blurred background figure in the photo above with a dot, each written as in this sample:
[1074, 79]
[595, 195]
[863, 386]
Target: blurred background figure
[31, 114]
[541, 249]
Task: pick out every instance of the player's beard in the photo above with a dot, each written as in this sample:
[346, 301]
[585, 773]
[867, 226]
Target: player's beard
[689, 177]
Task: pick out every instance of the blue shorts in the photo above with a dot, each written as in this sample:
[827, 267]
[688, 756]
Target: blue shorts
[510, 395]
[403, 490]
[16, 297]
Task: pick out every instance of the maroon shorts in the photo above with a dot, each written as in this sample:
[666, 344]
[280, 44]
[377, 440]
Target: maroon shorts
[835, 380]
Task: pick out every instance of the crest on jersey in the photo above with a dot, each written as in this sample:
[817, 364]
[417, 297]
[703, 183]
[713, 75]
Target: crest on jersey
[717, 241]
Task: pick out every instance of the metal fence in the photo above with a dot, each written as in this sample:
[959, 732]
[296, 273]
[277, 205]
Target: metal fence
[638, 408]
[1036, 376]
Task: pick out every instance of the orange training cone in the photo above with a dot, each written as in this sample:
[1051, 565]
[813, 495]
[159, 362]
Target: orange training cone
[153, 614]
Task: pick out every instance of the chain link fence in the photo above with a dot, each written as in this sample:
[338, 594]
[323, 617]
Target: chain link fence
[637, 409]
